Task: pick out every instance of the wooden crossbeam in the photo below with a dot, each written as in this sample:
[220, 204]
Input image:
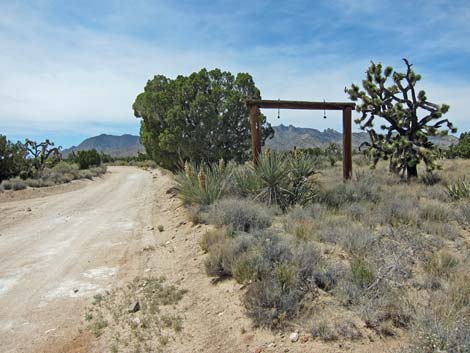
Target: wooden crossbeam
[254, 106]
[283, 104]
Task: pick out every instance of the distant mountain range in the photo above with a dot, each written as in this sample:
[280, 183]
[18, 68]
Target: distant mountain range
[285, 138]
[116, 146]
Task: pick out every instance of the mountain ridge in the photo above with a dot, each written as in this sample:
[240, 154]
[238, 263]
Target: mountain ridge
[285, 138]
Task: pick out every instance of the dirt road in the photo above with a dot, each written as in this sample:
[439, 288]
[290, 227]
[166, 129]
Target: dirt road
[58, 251]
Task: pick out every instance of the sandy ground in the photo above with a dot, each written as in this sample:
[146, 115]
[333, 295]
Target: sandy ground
[59, 250]
[92, 239]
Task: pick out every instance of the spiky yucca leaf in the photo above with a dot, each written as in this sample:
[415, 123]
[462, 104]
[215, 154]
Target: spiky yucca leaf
[203, 185]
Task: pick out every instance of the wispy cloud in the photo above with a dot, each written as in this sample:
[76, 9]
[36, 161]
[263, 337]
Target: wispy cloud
[77, 68]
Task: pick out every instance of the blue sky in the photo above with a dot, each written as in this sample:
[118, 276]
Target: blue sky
[72, 69]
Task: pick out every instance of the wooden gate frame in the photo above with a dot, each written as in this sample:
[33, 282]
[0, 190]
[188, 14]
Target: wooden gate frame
[254, 107]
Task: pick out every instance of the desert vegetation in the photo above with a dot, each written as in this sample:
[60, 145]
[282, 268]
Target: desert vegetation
[33, 164]
[140, 317]
[384, 254]
[200, 117]
[343, 260]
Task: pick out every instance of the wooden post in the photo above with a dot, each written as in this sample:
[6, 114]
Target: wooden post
[254, 111]
[347, 143]
[259, 129]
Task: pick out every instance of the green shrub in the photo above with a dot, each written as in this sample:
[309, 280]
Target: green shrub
[361, 273]
[87, 159]
[201, 185]
[63, 168]
[240, 214]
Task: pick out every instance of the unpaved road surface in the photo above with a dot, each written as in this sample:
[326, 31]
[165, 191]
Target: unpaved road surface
[56, 252]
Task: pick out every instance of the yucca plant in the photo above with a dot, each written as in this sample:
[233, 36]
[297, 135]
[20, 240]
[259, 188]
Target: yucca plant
[303, 185]
[201, 184]
[459, 190]
[273, 173]
[245, 181]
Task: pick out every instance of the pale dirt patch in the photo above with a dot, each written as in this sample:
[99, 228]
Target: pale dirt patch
[59, 250]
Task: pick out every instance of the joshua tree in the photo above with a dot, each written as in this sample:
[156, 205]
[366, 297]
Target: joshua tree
[41, 152]
[409, 119]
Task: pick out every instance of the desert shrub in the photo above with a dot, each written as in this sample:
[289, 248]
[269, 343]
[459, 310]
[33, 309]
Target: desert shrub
[281, 271]
[6, 185]
[432, 210]
[14, 184]
[225, 252]
[97, 171]
[211, 237]
[444, 230]
[270, 304]
[86, 174]
[246, 267]
[201, 185]
[361, 160]
[441, 263]
[430, 178]
[18, 184]
[324, 331]
[358, 211]
[87, 159]
[463, 213]
[285, 271]
[437, 192]
[240, 214]
[348, 329]
[352, 237]
[196, 213]
[365, 189]
[361, 273]
[65, 168]
[444, 324]
[398, 208]
[33, 183]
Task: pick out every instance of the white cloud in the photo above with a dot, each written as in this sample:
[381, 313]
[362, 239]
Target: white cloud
[57, 78]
